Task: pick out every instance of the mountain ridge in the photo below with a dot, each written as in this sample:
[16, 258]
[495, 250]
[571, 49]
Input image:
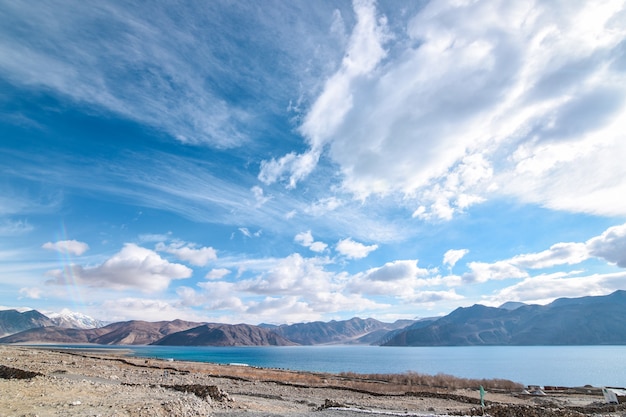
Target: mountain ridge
[592, 320]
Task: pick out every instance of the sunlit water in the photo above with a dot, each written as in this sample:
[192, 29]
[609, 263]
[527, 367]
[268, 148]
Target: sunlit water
[530, 365]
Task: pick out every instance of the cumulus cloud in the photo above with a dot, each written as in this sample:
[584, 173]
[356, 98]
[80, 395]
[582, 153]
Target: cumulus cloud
[483, 272]
[72, 247]
[292, 275]
[558, 254]
[218, 273]
[453, 256]
[544, 289]
[306, 239]
[396, 270]
[431, 297]
[610, 245]
[397, 278]
[188, 252]
[354, 250]
[133, 267]
[292, 287]
[130, 308]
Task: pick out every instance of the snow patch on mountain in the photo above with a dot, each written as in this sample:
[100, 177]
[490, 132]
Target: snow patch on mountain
[74, 320]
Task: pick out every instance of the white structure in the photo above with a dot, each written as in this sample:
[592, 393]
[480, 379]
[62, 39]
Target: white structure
[614, 395]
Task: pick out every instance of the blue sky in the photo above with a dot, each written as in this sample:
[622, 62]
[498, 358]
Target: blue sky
[295, 161]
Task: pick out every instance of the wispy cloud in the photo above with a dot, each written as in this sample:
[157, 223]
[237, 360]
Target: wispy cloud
[529, 108]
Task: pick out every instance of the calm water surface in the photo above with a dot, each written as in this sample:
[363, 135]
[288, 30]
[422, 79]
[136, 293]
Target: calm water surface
[530, 365]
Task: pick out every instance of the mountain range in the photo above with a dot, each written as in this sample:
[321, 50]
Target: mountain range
[566, 321]
[593, 320]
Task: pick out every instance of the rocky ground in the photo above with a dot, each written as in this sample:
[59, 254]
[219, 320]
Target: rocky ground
[48, 382]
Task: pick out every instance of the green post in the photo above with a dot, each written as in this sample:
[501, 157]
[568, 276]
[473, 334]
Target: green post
[482, 398]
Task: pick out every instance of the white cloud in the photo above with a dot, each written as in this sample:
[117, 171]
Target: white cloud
[323, 206]
[558, 254]
[259, 196]
[292, 275]
[398, 278]
[354, 250]
[395, 271]
[298, 167]
[544, 289]
[306, 239]
[431, 297]
[483, 272]
[218, 273]
[294, 287]
[610, 245]
[143, 70]
[525, 101]
[72, 247]
[31, 292]
[364, 53]
[187, 252]
[133, 267]
[453, 256]
[147, 309]
[247, 233]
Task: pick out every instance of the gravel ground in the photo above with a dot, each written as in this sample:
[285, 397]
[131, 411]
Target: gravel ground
[47, 382]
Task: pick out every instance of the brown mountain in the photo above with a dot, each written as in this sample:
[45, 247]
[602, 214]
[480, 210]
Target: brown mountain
[353, 331]
[215, 334]
[53, 334]
[137, 332]
[133, 332]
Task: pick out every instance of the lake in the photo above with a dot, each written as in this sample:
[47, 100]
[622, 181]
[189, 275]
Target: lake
[531, 365]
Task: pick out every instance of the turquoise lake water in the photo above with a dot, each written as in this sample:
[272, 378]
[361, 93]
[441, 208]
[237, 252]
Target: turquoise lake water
[530, 365]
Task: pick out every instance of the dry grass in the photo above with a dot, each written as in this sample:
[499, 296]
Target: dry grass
[383, 384]
[414, 379]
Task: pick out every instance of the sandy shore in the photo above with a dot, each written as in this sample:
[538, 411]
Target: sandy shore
[48, 382]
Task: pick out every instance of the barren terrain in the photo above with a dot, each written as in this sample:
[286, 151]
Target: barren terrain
[49, 382]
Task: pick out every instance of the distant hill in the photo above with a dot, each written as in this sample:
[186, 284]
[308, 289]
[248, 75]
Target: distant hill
[12, 321]
[512, 305]
[567, 321]
[355, 330]
[133, 332]
[215, 334]
[137, 332]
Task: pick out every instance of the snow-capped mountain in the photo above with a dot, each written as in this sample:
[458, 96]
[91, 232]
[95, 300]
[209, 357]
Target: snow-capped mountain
[74, 320]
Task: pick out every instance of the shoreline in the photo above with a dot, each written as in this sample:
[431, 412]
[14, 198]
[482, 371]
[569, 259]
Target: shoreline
[112, 384]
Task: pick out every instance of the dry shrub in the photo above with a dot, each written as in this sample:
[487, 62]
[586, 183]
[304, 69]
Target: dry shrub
[410, 379]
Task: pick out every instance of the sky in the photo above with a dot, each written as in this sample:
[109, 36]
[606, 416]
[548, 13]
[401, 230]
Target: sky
[293, 161]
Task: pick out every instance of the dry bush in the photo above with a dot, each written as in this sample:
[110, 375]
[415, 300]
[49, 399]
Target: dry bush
[411, 379]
